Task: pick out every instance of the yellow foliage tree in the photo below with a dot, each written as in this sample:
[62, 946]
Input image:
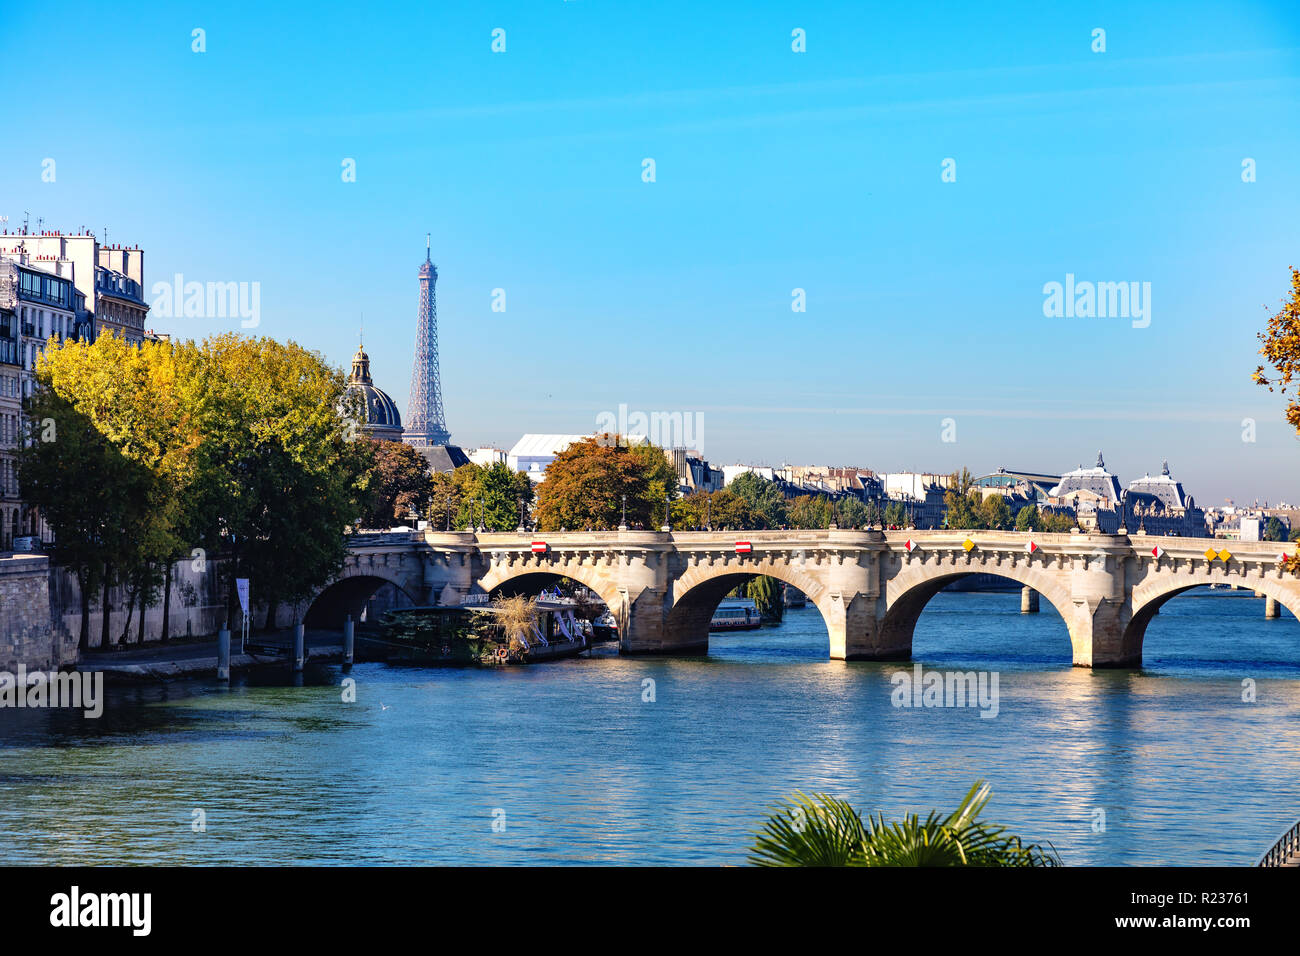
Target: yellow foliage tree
[1282, 349]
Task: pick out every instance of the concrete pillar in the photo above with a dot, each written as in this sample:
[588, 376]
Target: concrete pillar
[347, 642]
[299, 647]
[1028, 601]
[223, 654]
[1270, 608]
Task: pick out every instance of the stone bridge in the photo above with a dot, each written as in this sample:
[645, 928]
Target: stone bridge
[869, 586]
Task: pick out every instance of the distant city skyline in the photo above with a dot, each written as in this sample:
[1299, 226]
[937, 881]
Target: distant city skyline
[569, 285]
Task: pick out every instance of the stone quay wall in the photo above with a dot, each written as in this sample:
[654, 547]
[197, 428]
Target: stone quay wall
[28, 635]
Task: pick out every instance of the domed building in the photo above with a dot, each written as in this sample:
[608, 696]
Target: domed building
[380, 418]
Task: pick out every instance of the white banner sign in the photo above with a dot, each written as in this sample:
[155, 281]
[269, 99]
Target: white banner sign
[241, 585]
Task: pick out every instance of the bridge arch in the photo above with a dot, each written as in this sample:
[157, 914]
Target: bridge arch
[909, 591]
[1150, 596]
[531, 576]
[697, 593]
[348, 595]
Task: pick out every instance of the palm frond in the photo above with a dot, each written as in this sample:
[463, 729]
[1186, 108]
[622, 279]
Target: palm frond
[816, 830]
[822, 830]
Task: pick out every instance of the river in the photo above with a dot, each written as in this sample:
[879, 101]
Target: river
[566, 763]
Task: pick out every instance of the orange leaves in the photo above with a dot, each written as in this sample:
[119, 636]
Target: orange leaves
[1281, 346]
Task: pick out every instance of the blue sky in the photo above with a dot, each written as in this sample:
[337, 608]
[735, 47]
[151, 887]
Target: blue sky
[775, 170]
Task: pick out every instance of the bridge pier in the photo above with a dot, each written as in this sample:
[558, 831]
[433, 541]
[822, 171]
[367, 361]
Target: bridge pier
[873, 634]
[1271, 611]
[1101, 636]
[1028, 601]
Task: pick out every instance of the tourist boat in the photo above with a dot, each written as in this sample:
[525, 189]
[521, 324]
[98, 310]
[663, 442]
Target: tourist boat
[459, 636]
[736, 614]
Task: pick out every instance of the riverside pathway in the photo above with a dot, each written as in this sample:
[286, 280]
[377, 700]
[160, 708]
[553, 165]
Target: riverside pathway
[157, 661]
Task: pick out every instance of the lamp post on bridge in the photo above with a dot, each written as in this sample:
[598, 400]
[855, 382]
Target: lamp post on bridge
[622, 524]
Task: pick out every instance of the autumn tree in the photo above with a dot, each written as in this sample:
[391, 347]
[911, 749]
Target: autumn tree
[110, 462]
[1281, 347]
[586, 484]
[397, 484]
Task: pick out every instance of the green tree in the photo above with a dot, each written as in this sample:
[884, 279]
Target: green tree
[766, 504]
[1057, 522]
[875, 514]
[852, 513]
[765, 591]
[963, 504]
[809, 511]
[1274, 530]
[1028, 519]
[996, 513]
[896, 515]
[490, 497]
[283, 475]
[662, 481]
[444, 502]
[719, 509]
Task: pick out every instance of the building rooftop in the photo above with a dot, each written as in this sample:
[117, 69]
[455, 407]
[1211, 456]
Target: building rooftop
[1097, 480]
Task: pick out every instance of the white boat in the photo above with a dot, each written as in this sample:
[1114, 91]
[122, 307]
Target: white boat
[736, 614]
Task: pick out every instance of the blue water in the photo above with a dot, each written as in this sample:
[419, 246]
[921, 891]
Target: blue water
[573, 766]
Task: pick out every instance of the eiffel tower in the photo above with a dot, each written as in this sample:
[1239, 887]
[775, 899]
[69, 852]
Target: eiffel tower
[426, 423]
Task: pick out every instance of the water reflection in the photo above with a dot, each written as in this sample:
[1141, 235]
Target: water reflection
[581, 770]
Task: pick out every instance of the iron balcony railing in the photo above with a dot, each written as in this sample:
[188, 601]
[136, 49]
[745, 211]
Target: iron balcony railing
[1287, 846]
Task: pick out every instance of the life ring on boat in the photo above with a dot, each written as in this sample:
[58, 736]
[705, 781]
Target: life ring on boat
[502, 653]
